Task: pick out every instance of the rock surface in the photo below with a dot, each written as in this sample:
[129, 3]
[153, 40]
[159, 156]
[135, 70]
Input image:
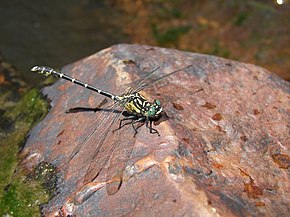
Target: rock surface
[223, 151]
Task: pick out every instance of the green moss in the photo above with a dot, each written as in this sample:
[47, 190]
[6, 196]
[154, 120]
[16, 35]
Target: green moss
[23, 197]
[218, 50]
[19, 196]
[241, 19]
[30, 109]
[169, 36]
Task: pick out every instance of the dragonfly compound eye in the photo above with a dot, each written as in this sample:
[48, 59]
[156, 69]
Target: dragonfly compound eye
[157, 102]
[151, 111]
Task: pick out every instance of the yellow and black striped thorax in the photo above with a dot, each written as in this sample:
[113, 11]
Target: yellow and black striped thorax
[136, 104]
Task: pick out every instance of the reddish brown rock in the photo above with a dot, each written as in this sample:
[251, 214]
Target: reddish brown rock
[223, 151]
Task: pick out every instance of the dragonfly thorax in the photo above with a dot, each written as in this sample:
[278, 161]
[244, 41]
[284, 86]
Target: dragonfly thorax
[136, 104]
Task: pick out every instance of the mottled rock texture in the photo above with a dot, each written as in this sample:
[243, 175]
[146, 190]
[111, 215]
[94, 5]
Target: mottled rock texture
[223, 150]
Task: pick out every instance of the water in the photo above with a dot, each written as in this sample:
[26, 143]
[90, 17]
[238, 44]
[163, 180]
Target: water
[56, 32]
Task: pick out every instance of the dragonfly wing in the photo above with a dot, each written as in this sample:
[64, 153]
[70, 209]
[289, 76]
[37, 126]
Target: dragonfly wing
[100, 155]
[118, 163]
[149, 80]
[88, 150]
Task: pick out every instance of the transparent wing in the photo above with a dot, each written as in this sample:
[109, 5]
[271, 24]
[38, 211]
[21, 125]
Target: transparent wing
[149, 80]
[95, 135]
[143, 82]
[103, 152]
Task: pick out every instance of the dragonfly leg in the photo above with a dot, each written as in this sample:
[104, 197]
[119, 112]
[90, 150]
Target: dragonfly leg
[131, 118]
[152, 130]
[139, 120]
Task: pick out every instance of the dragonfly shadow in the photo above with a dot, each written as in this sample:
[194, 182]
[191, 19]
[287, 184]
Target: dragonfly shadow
[97, 109]
[87, 109]
[163, 117]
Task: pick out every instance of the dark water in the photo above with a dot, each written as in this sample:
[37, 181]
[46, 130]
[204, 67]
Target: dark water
[56, 32]
[59, 32]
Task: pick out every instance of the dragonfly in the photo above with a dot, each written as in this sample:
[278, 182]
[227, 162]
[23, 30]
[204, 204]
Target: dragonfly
[138, 108]
[139, 112]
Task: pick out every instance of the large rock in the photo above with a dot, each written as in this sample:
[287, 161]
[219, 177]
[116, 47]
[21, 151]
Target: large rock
[223, 151]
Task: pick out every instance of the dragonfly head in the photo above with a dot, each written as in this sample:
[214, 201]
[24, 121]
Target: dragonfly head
[155, 109]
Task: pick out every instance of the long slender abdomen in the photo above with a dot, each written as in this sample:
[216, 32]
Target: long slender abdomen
[49, 71]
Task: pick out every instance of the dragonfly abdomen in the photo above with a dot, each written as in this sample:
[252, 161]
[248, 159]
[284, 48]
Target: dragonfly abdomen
[49, 71]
